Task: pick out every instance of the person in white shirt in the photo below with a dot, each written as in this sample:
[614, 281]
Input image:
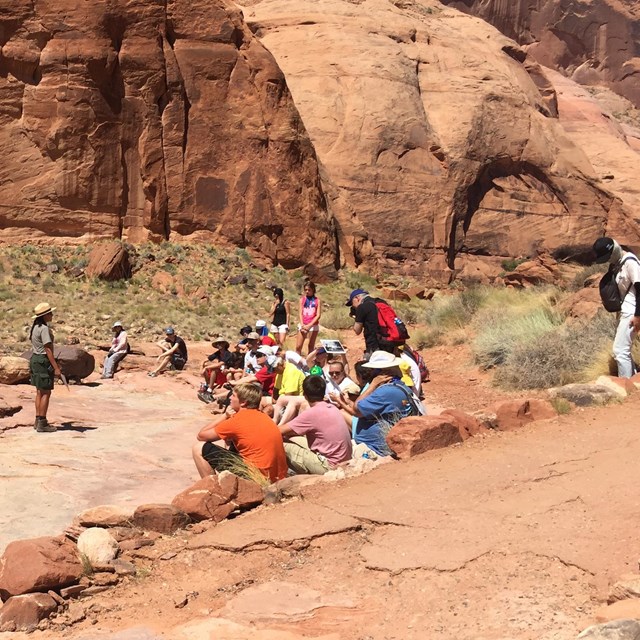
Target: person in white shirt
[338, 380]
[118, 350]
[627, 274]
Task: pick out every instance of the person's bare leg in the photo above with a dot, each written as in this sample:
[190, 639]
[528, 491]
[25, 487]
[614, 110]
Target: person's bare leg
[203, 467]
[347, 418]
[299, 342]
[296, 405]
[43, 406]
[313, 335]
[161, 365]
[279, 408]
[266, 406]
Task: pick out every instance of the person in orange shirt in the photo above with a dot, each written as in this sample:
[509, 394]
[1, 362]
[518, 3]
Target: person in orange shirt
[248, 435]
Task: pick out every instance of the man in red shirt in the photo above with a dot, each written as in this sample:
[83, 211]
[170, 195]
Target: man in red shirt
[251, 437]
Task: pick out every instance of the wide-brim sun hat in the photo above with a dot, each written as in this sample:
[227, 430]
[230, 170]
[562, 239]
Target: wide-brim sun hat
[220, 341]
[603, 248]
[260, 324]
[253, 336]
[382, 360]
[115, 325]
[42, 309]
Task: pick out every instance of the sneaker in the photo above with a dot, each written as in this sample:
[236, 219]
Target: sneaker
[206, 396]
[42, 426]
[151, 374]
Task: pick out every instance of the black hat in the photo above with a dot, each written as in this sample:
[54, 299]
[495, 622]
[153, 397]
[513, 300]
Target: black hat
[603, 248]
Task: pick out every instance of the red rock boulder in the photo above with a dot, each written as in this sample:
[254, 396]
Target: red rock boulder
[418, 434]
[215, 497]
[38, 564]
[163, 518]
[109, 261]
[514, 414]
[22, 613]
[468, 426]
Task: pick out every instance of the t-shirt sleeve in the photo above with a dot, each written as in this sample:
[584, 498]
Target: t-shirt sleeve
[633, 270]
[45, 335]
[360, 314]
[227, 428]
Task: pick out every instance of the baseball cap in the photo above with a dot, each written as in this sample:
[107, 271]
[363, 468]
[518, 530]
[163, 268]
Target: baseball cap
[320, 351]
[265, 350]
[603, 248]
[260, 324]
[253, 336]
[354, 293]
[169, 331]
[316, 371]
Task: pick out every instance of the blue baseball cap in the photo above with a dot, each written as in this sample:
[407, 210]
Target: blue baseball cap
[169, 331]
[354, 293]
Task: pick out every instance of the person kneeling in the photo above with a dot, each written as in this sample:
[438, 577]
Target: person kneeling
[324, 440]
[252, 438]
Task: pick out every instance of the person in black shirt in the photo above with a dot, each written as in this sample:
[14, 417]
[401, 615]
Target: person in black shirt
[365, 314]
[214, 368]
[280, 312]
[174, 353]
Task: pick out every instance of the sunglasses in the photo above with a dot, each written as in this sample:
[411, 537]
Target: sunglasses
[335, 373]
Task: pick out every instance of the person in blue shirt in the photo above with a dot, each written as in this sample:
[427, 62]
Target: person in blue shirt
[385, 402]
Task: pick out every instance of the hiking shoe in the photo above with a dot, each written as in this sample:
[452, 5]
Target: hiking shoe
[42, 426]
[206, 396]
[151, 374]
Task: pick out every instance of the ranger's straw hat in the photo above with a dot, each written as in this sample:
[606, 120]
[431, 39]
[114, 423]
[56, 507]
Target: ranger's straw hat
[42, 309]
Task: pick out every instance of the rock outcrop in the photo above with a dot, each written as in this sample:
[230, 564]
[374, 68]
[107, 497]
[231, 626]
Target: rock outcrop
[146, 119]
[431, 150]
[592, 41]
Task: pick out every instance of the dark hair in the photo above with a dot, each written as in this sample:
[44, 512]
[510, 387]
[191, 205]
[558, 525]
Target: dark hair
[38, 321]
[363, 373]
[277, 291]
[313, 388]
[310, 284]
[245, 331]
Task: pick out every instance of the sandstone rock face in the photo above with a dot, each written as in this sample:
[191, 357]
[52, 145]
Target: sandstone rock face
[144, 119]
[163, 518]
[414, 435]
[22, 613]
[468, 426]
[215, 497]
[98, 545]
[38, 564]
[624, 629]
[593, 41]
[428, 153]
[7, 409]
[13, 370]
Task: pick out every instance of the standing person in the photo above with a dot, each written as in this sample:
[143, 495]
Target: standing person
[280, 314]
[310, 311]
[174, 353]
[118, 350]
[365, 315]
[43, 365]
[250, 436]
[625, 268]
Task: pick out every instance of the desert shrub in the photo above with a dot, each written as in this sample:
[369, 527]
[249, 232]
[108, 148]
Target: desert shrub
[512, 263]
[504, 331]
[560, 356]
[336, 319]
[580, 277]
[446, 313]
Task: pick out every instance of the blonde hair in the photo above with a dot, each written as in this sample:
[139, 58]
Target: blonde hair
[249, 394]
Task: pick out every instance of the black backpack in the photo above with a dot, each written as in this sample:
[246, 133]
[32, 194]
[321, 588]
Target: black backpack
[609, 291]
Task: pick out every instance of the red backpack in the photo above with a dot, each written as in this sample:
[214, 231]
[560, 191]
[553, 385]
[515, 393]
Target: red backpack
[390, 328]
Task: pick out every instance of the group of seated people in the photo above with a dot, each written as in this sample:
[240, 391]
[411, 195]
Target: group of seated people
[279, 412]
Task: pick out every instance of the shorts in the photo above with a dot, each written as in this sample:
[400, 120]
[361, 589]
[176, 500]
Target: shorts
[312, 329]
[283, 328]
[221, 459]
[41, 372]
[178, 362]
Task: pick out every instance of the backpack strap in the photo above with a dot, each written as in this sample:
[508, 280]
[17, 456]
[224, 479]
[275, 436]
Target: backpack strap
[410, 397]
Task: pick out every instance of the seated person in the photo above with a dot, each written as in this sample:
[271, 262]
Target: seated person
[214, 369]
[266, 338]
[384, 402]
[339, 380]
[265, 377]
[318, 439]
[288, 386]
[174, 353]
[250, 358]
[117, 351]
[248, 435]
[242, 344]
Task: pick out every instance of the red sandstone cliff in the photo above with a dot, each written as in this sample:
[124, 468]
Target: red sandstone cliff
[145, 118]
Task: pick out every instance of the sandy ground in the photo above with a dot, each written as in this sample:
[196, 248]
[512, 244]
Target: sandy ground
[512, 535]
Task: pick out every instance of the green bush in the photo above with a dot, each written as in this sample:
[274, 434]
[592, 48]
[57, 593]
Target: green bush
[336, 319]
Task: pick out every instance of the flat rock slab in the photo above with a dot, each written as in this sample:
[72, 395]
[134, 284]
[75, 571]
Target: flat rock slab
[135, 633]
[221, 629]
[277, 600]
[113, 440]
[279, 526]
[398, 549]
